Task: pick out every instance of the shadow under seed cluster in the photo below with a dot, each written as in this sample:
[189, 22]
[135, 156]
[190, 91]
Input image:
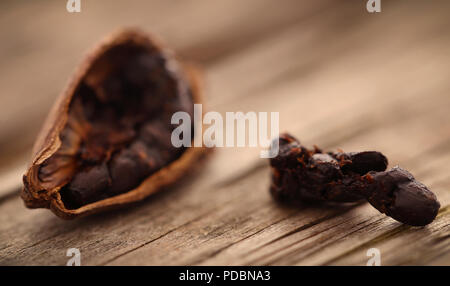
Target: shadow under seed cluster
[300, 174]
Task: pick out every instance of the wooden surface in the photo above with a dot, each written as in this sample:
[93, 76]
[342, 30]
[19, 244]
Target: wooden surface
[340, 78]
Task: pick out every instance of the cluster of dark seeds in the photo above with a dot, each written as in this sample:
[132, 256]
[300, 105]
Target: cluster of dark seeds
[300, 174]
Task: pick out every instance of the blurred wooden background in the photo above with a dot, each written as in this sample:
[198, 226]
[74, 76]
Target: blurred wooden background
[340, 78]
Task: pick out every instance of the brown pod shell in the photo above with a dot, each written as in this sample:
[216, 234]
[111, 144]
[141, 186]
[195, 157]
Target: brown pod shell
[48, 142]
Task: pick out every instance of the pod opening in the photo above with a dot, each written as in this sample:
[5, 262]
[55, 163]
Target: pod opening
[118, 130]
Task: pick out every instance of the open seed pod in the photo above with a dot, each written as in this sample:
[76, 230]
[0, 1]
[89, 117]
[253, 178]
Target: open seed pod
[107, 140]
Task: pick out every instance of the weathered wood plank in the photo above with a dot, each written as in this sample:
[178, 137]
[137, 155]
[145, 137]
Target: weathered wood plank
[316, 231]
[135, 256]
[222, 217]
[215, 195]
[423, 247]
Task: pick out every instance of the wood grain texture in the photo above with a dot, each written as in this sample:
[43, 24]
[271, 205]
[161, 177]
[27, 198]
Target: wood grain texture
[339, 77]
[199, 39]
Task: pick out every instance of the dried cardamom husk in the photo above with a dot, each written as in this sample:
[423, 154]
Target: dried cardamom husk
[107, 140]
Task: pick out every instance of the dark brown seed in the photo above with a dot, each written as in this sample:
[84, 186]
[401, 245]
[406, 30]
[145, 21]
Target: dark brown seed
[363, 162]
[397, 194]
[87, 186]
